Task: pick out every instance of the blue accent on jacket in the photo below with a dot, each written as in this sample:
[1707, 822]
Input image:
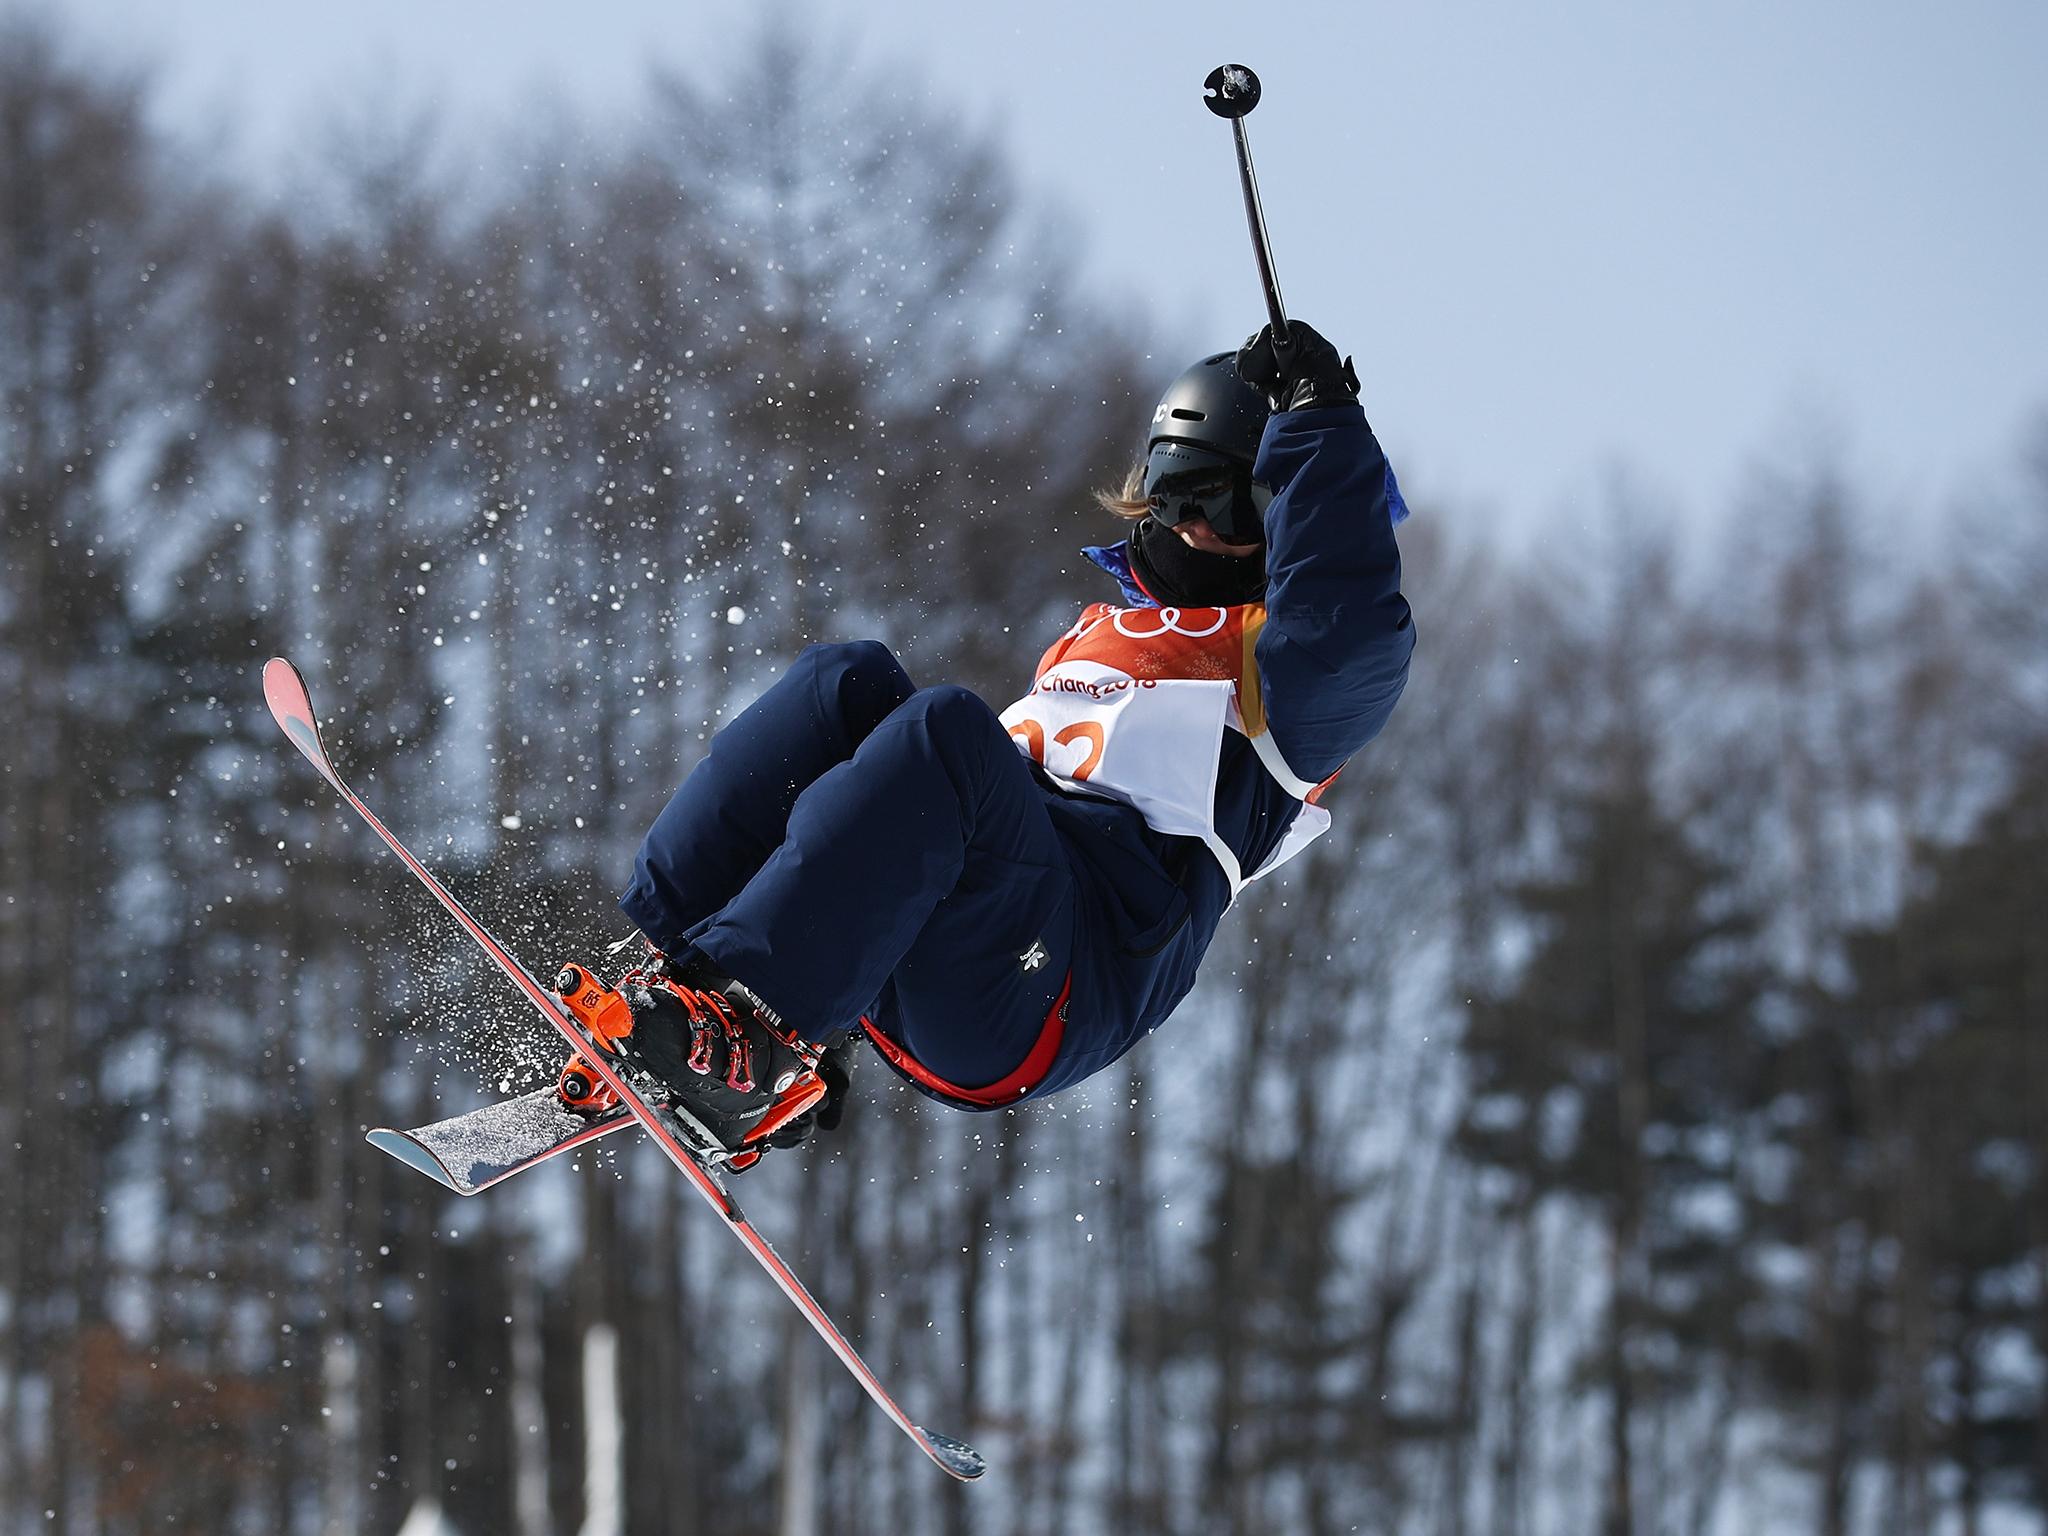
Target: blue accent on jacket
[1116, 559]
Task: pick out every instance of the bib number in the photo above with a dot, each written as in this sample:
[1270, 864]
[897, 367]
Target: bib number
[1032, 735]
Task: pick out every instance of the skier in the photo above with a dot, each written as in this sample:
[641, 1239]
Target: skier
[1004, 903]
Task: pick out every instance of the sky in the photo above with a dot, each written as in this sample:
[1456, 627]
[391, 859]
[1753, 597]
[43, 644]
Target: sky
[1674, 243]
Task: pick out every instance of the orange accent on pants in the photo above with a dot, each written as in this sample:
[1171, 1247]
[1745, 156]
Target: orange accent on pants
[1029, 1073]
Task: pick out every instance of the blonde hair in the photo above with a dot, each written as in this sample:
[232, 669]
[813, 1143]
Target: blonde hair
[1130, 503]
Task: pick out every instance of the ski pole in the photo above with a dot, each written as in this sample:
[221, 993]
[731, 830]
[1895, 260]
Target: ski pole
[1232, 91]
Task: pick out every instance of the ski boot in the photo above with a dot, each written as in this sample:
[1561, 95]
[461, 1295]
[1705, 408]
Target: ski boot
[731, 1072]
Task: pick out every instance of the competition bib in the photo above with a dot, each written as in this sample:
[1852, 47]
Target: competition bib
[1132, 704]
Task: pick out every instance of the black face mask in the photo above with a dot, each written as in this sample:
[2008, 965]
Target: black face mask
[1182, 576]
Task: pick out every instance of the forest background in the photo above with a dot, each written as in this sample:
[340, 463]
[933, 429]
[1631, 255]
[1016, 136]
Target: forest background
[1624, 1121]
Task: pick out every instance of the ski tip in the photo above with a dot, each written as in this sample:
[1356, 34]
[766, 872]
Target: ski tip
[954, 1456]
[282, 682]
[291, 706]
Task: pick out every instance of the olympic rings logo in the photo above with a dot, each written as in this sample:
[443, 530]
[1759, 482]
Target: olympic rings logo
[1169, 622]
[1157, 623]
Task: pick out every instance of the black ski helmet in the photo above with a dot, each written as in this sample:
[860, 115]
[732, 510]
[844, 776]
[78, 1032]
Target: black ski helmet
[1209, 406]
[1205, 436]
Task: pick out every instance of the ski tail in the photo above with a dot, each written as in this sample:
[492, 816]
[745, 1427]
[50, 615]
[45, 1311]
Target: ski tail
[284, 689]
[469, 1153]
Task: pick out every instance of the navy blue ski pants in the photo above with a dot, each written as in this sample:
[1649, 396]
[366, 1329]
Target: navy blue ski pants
[851, 840]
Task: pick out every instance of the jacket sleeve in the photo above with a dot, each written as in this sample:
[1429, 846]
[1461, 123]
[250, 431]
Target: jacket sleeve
[1333, 654]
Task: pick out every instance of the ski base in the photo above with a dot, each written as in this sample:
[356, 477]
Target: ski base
[471, 1152]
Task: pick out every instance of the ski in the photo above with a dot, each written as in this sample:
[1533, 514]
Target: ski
[469, 1153]
[291, 705]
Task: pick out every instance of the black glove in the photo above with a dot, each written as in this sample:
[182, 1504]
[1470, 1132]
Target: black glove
[835, 1068]
[1304, 374]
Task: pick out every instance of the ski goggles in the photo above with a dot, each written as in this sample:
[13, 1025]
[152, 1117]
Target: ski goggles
[1183, 482]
